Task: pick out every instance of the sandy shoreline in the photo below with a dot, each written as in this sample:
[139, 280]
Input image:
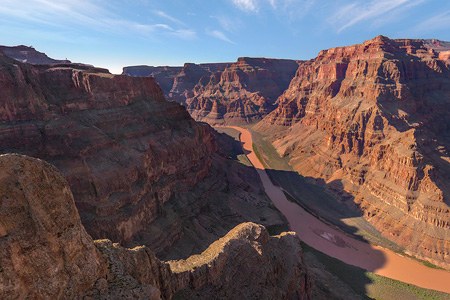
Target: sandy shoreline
[335, 243]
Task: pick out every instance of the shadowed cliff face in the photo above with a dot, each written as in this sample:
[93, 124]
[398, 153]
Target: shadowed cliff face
[141, 170]
[375, 118]
[46, 253]
[233, 93]
[163, 75]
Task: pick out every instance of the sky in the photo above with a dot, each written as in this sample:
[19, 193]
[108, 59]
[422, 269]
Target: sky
[118, 33]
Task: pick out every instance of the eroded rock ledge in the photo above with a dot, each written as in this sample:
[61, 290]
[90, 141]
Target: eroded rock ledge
[224, 93]
[45, 252]
[141, 170]
[372, 121]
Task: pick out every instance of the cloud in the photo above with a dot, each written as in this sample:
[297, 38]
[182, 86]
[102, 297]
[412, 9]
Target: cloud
[229, 24]
[220, 35]
[247, 5]
[273, 3]
[440, 21]
[186, 34]
[169, 17]
[86, 13]
[292, 9]
[367, 11]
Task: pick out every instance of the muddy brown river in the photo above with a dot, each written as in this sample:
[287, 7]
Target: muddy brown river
[340, 245]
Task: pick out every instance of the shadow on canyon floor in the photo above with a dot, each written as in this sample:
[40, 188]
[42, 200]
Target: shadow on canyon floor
[328, 203]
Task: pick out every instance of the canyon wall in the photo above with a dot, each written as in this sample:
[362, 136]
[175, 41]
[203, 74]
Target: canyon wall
[164, 76]
[141, 170]
[30, 55]
[45, 252]
[225, 93]
[373, 120]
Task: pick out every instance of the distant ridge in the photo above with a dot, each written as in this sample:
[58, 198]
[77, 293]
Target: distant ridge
[28, 54]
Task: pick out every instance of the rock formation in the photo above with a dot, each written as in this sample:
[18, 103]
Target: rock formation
[141, 170]
[189, 76]
[241, 92]
[373, 120]
[44, 250]
[46, 253]
[164, 76]
[30, 55]
[175, 82]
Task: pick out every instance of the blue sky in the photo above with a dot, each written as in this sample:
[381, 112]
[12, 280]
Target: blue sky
[113, 33]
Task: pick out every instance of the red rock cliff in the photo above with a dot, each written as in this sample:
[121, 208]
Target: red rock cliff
[373, 120]
[45, 252]
[244, 92]
[239, 92]
[141, 170]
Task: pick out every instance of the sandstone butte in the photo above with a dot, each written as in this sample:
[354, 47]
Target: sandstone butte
[141, 170]
[224, 93]
[372, 121]
[45, 252]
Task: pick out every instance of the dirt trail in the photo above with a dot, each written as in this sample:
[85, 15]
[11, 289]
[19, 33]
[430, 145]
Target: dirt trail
[335, 243]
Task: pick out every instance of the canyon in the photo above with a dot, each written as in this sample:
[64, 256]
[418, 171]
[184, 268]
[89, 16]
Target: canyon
[119, 187]
[145, 176]
[328, 239]
[224, 93]
[372, 121]
[45, 252]
[368, 121]
[141, 170]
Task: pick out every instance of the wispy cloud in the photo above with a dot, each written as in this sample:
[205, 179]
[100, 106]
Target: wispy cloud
[247, 5]
[164, 15]
[230, 24]
[86, 13]
[440, 21]
[273, 3]
[185, 34]
[357, 11]
[293, 9]
[219, 35]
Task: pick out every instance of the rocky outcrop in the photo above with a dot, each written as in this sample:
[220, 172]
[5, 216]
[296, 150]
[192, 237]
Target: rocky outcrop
[164, 76]
[141, 170]
[30, 55]
[44, 250]
[176, 82]
[46, 253]
[241, 92]
[189, 76]
[373, 120]
[247, 263]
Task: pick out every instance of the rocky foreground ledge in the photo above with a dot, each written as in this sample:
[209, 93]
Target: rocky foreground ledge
[45, 252]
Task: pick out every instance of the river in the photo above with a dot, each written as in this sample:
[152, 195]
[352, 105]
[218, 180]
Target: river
[340, 245]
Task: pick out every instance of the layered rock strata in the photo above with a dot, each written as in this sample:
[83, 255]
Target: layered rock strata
[141, 170]
[234, 93]
[176, 82]
[373, 120]
[46, 253]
